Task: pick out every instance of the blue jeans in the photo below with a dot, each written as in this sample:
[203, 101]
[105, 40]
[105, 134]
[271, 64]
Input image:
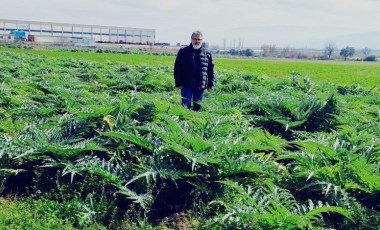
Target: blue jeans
[189, 94]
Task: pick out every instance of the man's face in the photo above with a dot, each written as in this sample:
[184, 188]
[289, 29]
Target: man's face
[196, 41]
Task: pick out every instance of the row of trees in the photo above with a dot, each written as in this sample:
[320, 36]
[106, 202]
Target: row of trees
[348, 51]
[270, 50]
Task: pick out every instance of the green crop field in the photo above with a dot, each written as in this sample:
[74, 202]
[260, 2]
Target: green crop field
[101, 141]
[342, 73]
[337, 72]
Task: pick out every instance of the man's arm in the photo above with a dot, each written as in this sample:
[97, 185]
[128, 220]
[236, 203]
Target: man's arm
[178, 69]
[210, 73]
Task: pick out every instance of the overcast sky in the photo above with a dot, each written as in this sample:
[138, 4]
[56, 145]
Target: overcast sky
[252, 23]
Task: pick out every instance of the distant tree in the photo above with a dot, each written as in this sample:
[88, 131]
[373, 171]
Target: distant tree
[233, 52]
[347, 52]
[247, 52]
[272, 49]
[330, 49]
[366, 51]
[268, 50]
[285, 52]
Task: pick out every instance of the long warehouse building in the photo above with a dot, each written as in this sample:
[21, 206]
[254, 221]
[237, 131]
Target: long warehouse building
[56, 32]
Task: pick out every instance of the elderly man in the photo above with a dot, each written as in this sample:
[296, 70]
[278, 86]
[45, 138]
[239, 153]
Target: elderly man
[194, 72]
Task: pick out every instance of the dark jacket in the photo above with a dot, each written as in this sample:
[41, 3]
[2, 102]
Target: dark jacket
[194, 68]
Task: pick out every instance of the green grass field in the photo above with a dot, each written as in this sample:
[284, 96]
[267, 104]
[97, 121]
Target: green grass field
[337, 72]
[366, 74]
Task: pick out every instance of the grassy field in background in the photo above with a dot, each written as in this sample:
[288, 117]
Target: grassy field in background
[338, 72]
[130, 59]
[366, 74]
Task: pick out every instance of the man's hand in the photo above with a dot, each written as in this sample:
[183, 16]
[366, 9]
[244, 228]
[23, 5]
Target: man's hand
[209, 89]
[179, 87]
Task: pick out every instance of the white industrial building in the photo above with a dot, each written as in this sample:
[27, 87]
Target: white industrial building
[50, 32]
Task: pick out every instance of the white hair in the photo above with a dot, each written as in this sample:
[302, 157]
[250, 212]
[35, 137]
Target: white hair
[196, 34]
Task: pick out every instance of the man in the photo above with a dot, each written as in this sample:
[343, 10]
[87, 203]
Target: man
[194, 72]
